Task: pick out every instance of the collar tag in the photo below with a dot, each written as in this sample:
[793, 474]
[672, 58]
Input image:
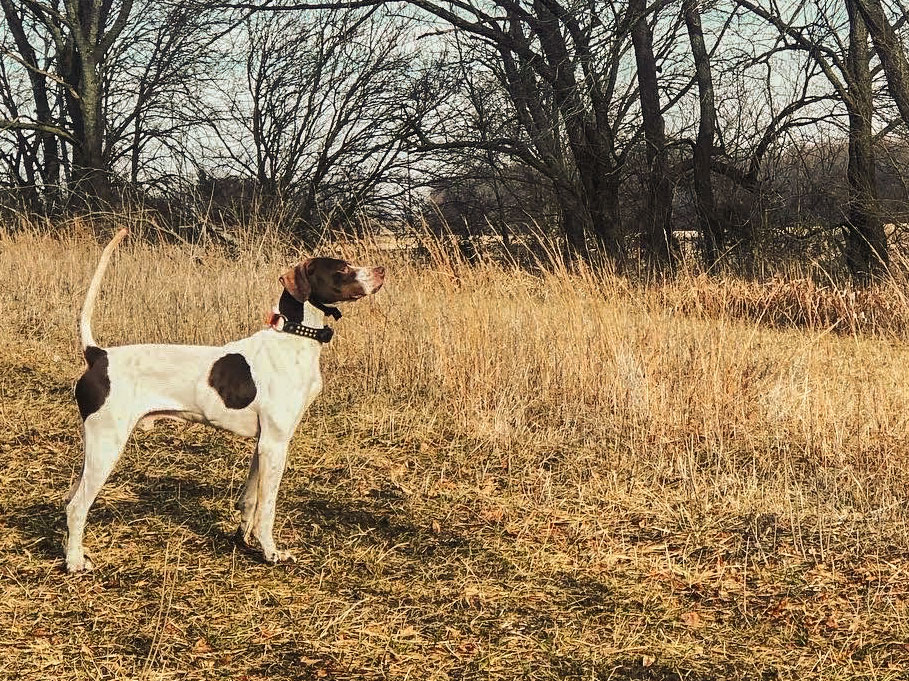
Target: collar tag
[275, 321]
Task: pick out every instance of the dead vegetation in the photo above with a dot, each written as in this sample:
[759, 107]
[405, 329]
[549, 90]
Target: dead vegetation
[509, 475]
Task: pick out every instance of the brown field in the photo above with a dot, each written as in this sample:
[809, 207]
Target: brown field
[510, 474]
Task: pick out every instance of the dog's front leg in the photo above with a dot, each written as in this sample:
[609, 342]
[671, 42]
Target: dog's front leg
[247, 502]
[272, 455]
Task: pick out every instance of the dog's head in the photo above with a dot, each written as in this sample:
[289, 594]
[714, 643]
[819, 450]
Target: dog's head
[329, 280]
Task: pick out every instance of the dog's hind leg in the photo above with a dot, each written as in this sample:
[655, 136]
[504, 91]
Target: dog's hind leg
[104, 441]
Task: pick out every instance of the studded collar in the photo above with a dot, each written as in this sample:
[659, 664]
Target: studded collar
[279, 323]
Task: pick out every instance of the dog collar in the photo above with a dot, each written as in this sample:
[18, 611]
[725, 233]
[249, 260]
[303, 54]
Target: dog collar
[279, 323]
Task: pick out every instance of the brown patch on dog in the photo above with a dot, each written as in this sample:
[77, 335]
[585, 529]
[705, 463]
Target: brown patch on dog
[323, 280]
[232, 379]
[93, 387]
[296, 281]
[290, 307]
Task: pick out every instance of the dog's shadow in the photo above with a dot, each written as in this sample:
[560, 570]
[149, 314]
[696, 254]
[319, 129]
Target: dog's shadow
[163, 500]
[202, 509]
[196, 512]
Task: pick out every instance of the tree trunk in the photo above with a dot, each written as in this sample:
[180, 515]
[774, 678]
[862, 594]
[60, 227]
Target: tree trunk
[91, 176]
[80, 56]
[574, 225]
[712, 231]
[590, 146]
[866, 243]
[890, 50]
[90, 179]
[603, 201]
[657, 234]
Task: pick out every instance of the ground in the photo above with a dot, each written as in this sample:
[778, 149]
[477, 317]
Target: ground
[482, 492]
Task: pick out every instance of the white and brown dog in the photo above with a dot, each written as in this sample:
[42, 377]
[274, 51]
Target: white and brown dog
[256, 387]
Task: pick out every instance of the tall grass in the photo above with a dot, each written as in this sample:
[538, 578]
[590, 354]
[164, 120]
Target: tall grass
[691, 379]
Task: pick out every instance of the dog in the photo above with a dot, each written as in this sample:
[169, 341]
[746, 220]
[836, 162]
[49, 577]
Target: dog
[256, 387]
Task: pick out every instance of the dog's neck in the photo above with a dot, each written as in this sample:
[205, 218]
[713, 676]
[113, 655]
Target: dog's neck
[295, 311]
[313, 316]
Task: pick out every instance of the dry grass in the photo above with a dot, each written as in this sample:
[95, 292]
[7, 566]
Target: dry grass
[509, 475]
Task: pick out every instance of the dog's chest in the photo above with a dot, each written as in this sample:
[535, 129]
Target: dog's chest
[287, 376]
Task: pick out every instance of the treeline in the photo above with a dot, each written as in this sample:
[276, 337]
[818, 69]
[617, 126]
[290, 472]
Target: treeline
[630, 130]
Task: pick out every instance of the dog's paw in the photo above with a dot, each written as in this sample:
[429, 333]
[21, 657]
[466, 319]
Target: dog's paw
[81, 565]
[275, 557]
[242, 538]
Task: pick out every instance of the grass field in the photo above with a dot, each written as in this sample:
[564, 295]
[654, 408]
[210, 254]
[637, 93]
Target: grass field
[510, 474]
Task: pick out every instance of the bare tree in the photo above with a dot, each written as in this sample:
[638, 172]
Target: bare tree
[574, 56]
[320, 119]
[579, 114]
[658, 209]
[83, 35]
[156, 86]
[890, 50]
[711, 230]
[21, 23]
[846, 66]
[112, 88]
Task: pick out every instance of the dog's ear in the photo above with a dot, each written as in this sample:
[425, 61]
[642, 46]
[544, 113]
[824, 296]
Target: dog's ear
[296, 281]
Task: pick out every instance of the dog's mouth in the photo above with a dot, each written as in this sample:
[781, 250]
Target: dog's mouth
[371, 280]
[367, 289]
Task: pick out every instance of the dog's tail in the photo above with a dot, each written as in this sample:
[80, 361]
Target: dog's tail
[85, 321]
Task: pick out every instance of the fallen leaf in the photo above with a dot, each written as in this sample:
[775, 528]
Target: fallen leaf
[201, 646]
[692, 619]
